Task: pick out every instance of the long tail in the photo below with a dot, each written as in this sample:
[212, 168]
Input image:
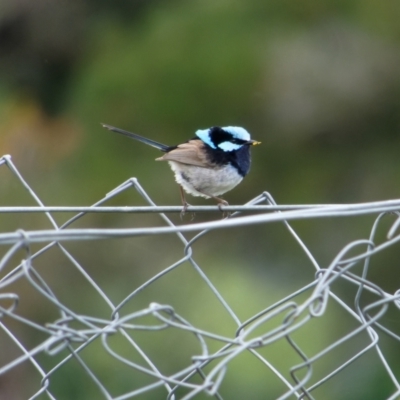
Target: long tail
[150, 142]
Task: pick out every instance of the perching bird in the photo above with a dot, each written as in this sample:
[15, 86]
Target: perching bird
[210, 164]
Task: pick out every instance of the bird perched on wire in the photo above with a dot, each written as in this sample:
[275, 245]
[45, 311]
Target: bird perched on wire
[210, 164]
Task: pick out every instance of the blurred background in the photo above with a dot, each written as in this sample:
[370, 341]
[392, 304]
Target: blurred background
[317, 82]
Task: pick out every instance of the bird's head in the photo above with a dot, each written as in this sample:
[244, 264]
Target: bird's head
[228, 138]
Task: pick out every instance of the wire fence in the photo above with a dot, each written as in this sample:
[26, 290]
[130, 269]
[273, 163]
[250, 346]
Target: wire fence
[42, 349]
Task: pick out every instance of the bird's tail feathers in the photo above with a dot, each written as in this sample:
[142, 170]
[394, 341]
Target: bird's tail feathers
[150, 142]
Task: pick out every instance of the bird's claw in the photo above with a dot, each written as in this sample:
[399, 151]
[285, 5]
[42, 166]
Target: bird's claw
[184, 209]
[225, 214]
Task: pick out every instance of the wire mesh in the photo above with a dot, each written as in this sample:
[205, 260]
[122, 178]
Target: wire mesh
[134, 340]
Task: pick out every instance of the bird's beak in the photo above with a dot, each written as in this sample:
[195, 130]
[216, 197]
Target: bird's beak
[253, 142]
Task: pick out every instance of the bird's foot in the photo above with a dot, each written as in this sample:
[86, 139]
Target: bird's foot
[221, 203]
[184, 209]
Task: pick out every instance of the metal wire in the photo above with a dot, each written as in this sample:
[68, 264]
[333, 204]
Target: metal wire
[70, 335]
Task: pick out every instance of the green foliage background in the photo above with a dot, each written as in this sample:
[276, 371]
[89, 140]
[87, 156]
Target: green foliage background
[318, 82]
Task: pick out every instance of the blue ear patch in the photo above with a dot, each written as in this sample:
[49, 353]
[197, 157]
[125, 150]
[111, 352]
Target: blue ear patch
[229, 146]
[204, 135]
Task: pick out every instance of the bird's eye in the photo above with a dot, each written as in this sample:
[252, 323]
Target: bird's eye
[238, 141]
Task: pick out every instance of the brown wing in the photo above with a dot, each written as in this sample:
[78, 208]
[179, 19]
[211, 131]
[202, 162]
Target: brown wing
[191, 153]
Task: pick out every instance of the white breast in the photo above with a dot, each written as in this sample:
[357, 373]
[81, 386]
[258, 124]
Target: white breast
[200, 181]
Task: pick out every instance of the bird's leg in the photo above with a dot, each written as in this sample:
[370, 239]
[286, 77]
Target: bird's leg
[184, 202]
[221, 202]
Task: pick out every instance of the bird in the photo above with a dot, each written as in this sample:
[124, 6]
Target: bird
[210, 164]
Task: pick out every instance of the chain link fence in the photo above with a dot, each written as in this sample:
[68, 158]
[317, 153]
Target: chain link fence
[60, 325]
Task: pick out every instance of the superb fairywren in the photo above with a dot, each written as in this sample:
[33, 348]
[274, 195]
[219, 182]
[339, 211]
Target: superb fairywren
[210, 164]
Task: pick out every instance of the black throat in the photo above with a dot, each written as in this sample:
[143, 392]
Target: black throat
[240, 159]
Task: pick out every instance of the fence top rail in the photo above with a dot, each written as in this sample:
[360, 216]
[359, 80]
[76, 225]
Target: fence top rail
[368, 207]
